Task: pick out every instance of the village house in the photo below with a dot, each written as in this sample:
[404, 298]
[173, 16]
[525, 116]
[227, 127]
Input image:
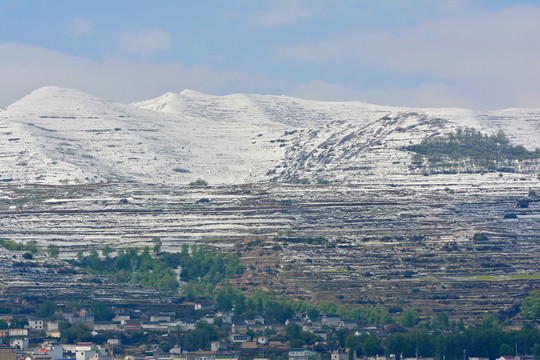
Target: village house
[302, 354]
[348, 324]
[54, 349]
[121, 317]
[35, 324]
[229, 356]
[52, 329]
[209, 319]
[339, 355]
[188, 325]
[201, 355]
[219, 345]
[155, 326]
[103, 326]
[160, 318]
[239, 328]
[313, 325]
[89, 351]
[257, 320]
[18, 332]
[21, 343]
[249, 345]
[239, 338]
[294, 321]
[176, 353]
[162, 356]
[132, 325]
[331, 320]
[257, 328]
[204, 306]
[38, 356]
[277, 327]
[226, 316]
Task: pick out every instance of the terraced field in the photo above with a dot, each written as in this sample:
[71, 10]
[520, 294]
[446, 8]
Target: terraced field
[402, 242]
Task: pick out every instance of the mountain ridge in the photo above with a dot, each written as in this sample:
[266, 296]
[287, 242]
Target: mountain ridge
[56, 135]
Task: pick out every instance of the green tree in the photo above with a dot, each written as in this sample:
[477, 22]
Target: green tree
[106, 251]
[536, 351]
[506, 350]
[409, 318]
[46, 309]
[352, 343]
[76, 333]
[53, 250]
[200, 337]
[490, 321]
[157, 245]
[101, 311]
[440, 321]
[18, 323]
[530, 306]
[371, 346]
[3, 324]
[32, 246]
[165, 346]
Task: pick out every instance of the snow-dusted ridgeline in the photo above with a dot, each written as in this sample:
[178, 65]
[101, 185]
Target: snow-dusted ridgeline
[56, 135]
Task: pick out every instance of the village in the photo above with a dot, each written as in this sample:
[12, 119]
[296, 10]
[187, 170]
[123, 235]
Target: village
[39, 338]
[198, 330]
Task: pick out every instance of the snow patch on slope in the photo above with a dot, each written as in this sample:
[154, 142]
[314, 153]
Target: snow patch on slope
[56, 135]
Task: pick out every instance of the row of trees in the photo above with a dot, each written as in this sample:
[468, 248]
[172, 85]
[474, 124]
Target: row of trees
[480, 342]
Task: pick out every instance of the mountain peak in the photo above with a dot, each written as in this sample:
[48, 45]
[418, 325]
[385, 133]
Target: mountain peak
[52, 95]
[189, 92]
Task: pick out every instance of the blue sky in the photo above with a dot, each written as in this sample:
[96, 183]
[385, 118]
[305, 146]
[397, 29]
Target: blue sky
[477, 54]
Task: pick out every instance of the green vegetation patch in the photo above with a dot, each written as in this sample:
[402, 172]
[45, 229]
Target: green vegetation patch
[525, 276]
[468, 150]
[487, 278]
[30, 246]
[203, 265]
[198, 183]
[303, 240]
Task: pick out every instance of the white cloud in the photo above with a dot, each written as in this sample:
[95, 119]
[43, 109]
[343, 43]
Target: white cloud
[145, 40]
[80, 26]
[25, 68]
[492, 57]
[285, 13]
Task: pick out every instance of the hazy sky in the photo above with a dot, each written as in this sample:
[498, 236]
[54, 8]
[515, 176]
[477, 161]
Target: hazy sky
[481, 54]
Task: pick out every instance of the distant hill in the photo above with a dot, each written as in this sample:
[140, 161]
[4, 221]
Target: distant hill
[58, 136]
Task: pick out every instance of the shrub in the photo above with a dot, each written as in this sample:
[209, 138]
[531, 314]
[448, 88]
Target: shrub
[480, 237]
[198, 183]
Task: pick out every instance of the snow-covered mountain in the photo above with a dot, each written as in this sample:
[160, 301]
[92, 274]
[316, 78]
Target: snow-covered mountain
[55, 135]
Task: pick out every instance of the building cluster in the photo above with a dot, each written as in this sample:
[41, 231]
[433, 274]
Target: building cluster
[248, 339]
[245, 339]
